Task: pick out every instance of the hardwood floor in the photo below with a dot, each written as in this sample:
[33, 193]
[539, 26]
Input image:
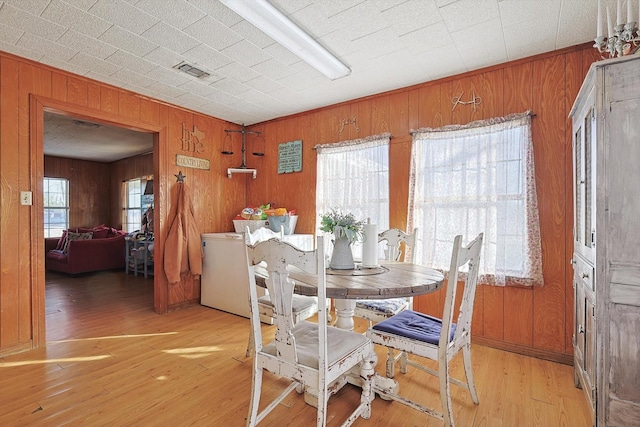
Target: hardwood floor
[110, 360]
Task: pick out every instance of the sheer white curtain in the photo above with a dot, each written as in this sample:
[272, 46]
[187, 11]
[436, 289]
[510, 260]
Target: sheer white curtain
[353, 176]
[477, 178]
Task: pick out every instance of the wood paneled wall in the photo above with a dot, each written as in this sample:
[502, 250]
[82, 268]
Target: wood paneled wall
[121, 171]
[26, 89]
[89, 199]
[531, 320]
[536, 321]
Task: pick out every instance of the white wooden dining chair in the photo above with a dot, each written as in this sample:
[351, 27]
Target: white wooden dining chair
[375, 310]
[438, 339]
[311, 355]
[303, 306]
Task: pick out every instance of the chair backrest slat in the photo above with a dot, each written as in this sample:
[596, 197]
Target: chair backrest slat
[460, 257]
[394, 237]
[278, 257]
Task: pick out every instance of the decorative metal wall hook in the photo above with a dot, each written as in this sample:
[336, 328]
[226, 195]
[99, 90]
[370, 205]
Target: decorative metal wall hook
[180, 177]
[345, 122]
[226, 145]
[475, 100]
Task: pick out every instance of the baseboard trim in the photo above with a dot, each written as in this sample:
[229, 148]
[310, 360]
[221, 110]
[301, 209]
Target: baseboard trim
[565, 359]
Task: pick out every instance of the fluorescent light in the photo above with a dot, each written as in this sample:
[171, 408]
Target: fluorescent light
[272, 22]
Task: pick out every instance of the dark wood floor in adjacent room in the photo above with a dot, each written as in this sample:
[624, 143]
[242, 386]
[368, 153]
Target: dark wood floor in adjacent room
[111, 361]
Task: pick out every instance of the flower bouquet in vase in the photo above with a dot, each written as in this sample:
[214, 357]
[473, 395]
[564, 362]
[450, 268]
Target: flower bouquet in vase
[346, 230]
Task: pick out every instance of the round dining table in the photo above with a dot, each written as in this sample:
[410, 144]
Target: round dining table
[390, 279]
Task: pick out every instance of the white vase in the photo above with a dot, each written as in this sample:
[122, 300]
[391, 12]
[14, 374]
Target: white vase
[342, 258]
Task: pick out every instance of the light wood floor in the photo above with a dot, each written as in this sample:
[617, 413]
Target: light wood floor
[110, 360]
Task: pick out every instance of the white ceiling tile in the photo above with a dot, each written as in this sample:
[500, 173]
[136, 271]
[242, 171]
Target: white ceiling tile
[426, 39]
[71, 17]
[123, 59]
[81, 4]
[314, 20]
[171, 38]
[284, 55]
[21, 51]
[17, 18]
[189, 100]
[128, 41]
[463, 14]
[513, 12]
[124, 14]
[213, 33]
[264, 84]
[198, 86]
[113, 81]
[64, 65]
[94, 64]
[164, 57]
[488, 34]
[177, 13]
[209, 58]
[9, 35]
[402, 16]
[518, 47]
[85, 44]
[246, 53]
[216, 9]
[169, 76]
[129, 76]
[169, 91]
[582, 22]
[252, 34]
[442, 61]
[34, 7]
[476, 58]
[230, 86]
[273, 69]
[46, 47]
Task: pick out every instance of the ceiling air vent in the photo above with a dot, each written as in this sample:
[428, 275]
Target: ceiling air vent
[192, 71]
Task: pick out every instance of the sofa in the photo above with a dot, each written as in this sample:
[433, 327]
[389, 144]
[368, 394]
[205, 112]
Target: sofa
[83, 250]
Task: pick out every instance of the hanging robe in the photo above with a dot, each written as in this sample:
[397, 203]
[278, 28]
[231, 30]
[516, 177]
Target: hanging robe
[182, 249]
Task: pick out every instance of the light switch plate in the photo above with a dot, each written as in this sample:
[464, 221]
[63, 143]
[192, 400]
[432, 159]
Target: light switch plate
[26, 198]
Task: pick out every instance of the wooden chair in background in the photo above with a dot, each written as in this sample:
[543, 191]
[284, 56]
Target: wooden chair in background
[438, 339]
[378, 310]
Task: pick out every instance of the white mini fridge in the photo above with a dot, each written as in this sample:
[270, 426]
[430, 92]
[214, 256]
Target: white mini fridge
[225, 277]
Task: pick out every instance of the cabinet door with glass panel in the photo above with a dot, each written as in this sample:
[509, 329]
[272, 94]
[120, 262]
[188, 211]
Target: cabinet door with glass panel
[584, 131]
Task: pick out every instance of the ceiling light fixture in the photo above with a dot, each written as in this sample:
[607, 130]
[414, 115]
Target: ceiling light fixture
[191, 70]
[272, 22]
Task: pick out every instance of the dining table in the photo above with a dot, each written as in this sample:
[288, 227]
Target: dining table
[390, 279]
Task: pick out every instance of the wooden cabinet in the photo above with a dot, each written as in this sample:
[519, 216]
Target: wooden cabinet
[606, 259]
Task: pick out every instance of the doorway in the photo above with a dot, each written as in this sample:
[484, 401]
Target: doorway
[50, 109]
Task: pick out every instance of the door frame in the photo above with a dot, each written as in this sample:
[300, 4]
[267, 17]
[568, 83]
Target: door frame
[38, 105]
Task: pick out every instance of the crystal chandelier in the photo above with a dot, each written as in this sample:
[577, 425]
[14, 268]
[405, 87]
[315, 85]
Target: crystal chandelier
[622, 39]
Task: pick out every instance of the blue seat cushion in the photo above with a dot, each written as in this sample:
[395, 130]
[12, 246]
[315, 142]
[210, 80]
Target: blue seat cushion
[414, 325]
[385, 306]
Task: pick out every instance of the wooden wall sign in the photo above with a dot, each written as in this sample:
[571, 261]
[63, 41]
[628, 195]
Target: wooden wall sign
[290, 157]
[192, 162]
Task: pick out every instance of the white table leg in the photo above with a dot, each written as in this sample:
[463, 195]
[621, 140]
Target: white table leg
[345, 308]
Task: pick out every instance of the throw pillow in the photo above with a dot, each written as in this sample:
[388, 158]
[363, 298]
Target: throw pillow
[100, 232]
[75, 236]
[62, 241]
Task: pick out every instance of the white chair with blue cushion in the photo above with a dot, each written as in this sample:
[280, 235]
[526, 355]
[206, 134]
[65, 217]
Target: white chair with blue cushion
[378, 310]
[438, 339]
[303, 306]
[313, 356]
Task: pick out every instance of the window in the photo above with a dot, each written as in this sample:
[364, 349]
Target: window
[478, 178]
[56, 206]
[353, 176]
[132, 214]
